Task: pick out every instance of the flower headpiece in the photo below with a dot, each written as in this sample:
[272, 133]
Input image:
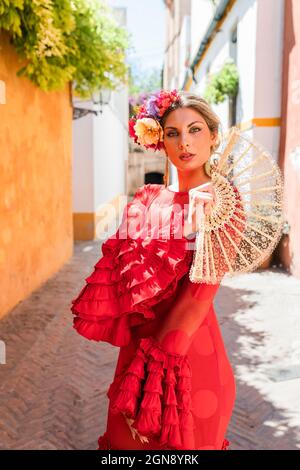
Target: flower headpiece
[145, 127]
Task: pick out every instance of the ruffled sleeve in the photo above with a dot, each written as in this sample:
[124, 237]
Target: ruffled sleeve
[134, 273]
[155, 391]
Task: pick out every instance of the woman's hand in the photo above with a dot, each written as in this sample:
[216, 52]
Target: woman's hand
[201, 200]
[134, 431]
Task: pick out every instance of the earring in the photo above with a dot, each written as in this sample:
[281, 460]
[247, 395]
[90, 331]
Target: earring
[207, 167]
[166, 177]
[211, 164]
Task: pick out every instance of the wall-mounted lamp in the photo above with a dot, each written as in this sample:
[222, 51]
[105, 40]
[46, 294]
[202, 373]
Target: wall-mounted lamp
[99, 98]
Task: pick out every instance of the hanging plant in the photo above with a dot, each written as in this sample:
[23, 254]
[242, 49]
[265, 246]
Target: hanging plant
[67, 40]
[223, 84]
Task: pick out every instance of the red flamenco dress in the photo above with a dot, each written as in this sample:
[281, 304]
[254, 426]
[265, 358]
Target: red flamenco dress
[173, 380]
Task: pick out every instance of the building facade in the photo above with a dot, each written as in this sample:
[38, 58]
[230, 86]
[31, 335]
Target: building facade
[260, 37]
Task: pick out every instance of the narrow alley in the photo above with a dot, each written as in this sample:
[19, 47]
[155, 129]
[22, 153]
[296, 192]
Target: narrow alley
[54, 382]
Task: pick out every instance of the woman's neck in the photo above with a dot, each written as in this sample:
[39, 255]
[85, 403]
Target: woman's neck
[186, 181]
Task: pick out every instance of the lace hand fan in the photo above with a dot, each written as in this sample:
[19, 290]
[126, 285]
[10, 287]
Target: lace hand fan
[246, 219]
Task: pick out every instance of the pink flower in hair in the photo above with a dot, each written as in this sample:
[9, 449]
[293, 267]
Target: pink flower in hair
[145, 127]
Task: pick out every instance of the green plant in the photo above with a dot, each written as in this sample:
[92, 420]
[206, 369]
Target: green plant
[67, 40]
[222, 84]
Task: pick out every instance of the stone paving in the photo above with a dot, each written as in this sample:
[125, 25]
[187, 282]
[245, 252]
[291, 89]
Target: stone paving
[53, 385]
[260, 319]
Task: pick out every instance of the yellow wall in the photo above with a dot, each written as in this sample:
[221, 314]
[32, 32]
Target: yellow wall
[36, 230]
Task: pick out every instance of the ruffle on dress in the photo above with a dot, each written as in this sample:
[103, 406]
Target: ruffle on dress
[155, 391]
[132, 276]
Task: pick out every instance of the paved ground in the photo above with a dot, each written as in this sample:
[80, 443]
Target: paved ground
[53, 385]
[260, 319]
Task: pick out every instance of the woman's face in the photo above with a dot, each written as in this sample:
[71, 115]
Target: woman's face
[186, 130]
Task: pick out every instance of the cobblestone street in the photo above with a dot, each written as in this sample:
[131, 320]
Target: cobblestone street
[54, 383]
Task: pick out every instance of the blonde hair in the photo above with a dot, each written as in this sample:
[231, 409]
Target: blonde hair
[191, 100]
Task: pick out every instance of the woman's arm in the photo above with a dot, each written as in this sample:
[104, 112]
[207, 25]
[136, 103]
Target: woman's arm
[186, 316]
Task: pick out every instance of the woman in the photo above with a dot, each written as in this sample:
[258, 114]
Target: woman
[173, 386]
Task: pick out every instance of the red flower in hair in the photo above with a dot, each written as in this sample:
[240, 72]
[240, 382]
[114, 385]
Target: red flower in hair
[145, 127]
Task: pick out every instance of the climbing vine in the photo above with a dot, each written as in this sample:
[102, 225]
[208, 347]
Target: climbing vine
[67, 40]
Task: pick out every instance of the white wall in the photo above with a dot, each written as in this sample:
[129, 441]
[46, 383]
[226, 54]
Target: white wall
[268, 71]
[201, 15]
[83, 165]
[259, 61]
[246, 60]
[100, 152]
[242, 12]
[184, 46]
[110, 142]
